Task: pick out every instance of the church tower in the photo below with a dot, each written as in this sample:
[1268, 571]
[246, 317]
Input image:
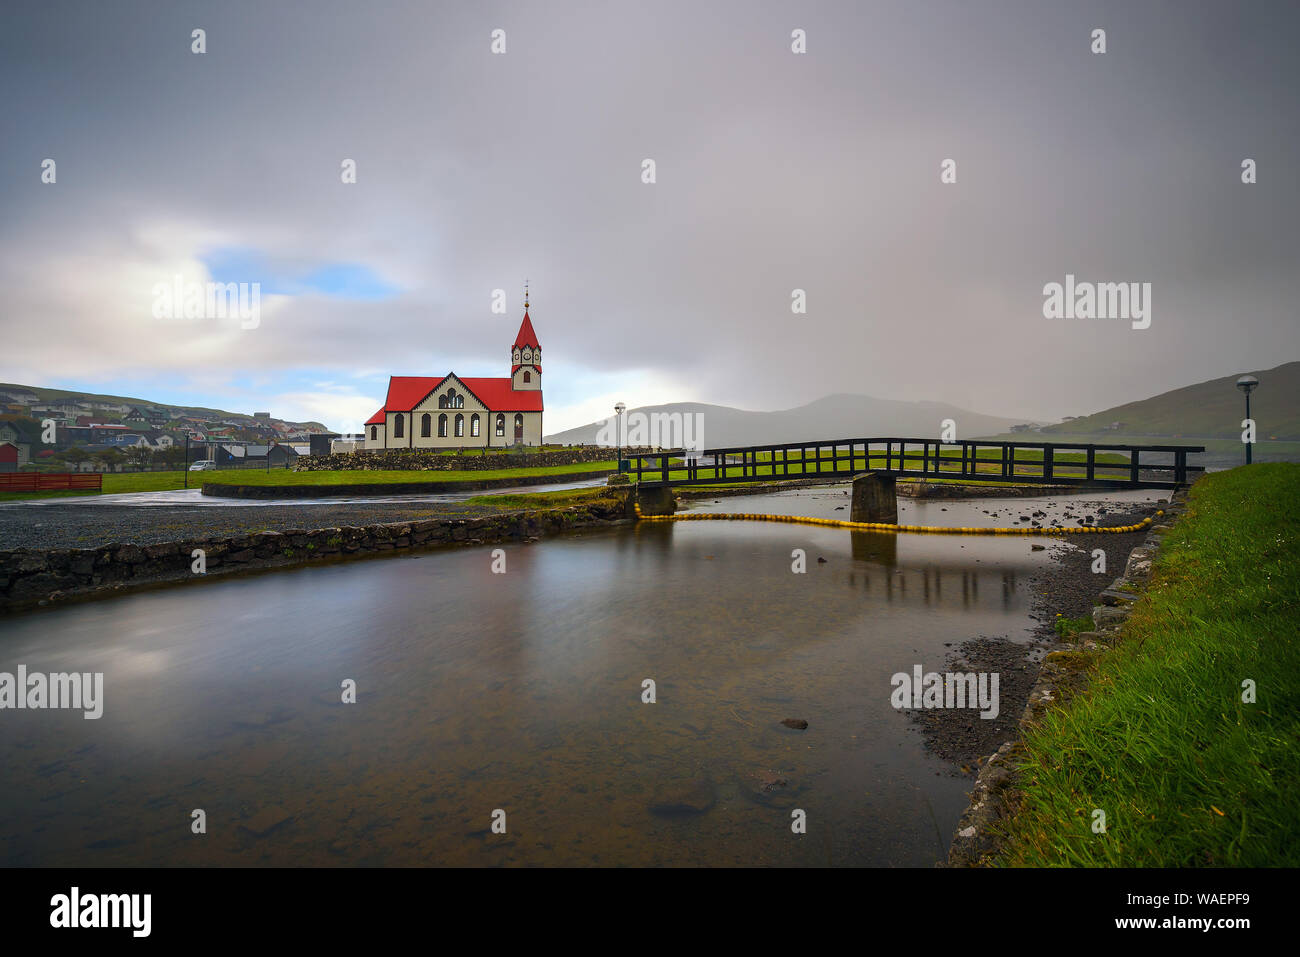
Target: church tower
[526, 355]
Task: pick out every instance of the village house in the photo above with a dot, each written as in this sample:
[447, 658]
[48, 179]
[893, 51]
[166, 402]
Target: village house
[22, 437]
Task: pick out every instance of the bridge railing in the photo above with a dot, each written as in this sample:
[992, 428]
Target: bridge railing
[1138, 466]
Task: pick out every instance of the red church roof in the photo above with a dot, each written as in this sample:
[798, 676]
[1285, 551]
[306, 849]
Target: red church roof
[498, 396]
[526, 335]
[405, 392]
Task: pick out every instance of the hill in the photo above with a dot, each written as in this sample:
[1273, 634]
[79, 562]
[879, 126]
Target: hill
[92, 403]
[1212, 409]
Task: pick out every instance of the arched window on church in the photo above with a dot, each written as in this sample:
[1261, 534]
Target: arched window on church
[442, 426]
[473, 425]
[519, 427]
[460, 402]
[528, 377]
[460, 426]
[426, 425]
[501, 424]
[398, 427]
[442, 402]
[374, 431]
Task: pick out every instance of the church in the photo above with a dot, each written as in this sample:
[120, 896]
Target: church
[428, 412]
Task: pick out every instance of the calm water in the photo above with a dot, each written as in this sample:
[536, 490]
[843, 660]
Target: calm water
[522, 691]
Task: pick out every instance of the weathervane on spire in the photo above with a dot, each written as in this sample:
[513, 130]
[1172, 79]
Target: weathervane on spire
[525, 293]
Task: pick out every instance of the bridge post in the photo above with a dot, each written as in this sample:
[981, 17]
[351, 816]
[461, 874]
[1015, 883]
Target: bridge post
[874, 499]
[656, 499]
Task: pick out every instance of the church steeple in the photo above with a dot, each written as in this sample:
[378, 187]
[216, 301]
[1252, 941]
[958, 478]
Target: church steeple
[526, 354]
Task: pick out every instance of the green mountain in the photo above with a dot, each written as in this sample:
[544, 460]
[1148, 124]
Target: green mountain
[1208, 410]
[198, 412]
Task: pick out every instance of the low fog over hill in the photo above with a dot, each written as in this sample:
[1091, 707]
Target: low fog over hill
[834, 417]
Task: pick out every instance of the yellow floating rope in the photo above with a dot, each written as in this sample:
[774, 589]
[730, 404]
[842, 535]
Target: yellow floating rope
[887, 527]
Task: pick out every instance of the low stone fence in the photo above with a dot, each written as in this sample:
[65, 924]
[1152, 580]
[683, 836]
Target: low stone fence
[435, 460]
[34, 576]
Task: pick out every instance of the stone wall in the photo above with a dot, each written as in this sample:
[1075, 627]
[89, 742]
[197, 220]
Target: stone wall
[430, 460]
[34, 576]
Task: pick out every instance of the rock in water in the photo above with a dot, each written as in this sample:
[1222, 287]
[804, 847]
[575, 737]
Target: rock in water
[768, 780]
[689, 797]
[769, 788]
[799, 724]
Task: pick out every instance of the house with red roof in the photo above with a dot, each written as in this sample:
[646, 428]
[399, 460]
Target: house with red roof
[457, 412]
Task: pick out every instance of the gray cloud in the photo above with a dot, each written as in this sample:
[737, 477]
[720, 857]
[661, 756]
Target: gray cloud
[775, 172]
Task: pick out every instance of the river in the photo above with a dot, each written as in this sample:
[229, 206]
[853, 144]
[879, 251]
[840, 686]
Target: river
[522, 691]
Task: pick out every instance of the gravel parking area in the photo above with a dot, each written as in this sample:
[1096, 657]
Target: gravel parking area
[81, 525]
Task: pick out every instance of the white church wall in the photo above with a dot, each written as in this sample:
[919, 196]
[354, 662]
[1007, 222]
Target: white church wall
[518, 379]
[472, 406]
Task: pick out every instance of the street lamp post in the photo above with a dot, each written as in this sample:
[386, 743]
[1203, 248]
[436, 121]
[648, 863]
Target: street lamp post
[618, 434]
[1247, 384]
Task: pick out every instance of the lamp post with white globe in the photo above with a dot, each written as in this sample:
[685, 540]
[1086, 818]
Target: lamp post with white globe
[618, 435]
[1247, 384]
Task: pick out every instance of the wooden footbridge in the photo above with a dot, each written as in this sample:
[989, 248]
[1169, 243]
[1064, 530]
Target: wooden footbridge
[1040, 463]
[889, 459]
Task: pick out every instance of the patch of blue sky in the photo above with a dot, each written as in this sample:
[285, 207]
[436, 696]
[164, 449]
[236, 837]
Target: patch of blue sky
[352, 281]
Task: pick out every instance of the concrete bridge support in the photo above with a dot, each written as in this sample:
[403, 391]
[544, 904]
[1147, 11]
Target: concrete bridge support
[875, 499]
[656, 500]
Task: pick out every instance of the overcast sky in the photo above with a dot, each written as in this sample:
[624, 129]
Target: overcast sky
[775, 172]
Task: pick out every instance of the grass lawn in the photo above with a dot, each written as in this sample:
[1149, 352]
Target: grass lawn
[1187, 773]
[115, 482]
[367, 477]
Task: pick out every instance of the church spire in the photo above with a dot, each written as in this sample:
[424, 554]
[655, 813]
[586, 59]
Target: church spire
[526, 354]
[526, 335]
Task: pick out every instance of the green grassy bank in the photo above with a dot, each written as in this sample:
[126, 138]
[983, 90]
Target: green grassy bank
[1187, 774]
